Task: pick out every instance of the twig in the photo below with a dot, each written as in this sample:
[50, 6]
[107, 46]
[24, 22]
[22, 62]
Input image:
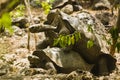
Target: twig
[27, 3]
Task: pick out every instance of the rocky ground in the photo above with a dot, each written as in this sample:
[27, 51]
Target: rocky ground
[14, 64]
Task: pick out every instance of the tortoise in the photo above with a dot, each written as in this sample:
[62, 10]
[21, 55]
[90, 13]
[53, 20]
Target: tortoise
[68, 24]
[55, 58]
[81, 21]
[61, 62]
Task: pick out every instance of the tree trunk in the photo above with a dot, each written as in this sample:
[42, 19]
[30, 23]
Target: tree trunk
[114, 40]
[118, 21]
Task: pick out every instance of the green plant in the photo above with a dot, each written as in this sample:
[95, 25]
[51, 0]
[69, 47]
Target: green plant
[67, 40]
[115, 42]
[90, 42]
[18, 11]
[37, 2]
[71, 39]
[5, 21]
[47, 6]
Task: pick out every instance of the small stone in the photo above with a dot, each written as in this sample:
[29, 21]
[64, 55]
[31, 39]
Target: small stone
[68, 9]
